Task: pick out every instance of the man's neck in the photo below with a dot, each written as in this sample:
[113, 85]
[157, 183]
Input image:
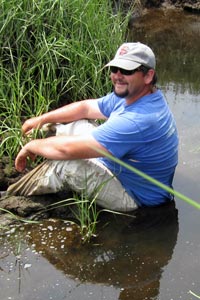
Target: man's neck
[145, 92]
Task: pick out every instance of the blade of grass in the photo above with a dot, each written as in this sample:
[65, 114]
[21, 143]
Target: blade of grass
[152, 180]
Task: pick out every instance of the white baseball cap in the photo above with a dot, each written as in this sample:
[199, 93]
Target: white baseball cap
[130, 56]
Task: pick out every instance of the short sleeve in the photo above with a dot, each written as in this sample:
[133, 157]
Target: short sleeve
[109, 104]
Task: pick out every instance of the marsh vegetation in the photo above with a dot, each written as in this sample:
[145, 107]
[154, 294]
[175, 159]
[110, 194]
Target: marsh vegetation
[51, 53]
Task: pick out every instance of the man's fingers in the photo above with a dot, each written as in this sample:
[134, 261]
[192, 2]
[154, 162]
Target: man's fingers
[20, 164]
[21, 159]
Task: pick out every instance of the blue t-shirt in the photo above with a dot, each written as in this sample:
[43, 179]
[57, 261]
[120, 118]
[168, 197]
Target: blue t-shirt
[144, 135]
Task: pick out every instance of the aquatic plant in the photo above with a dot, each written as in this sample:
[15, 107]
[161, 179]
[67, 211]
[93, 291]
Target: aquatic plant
[195, 295]
[152, 180]
[13, 219]
[52, 52]
[86, 214]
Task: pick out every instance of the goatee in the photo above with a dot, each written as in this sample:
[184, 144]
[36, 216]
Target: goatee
[121, 95]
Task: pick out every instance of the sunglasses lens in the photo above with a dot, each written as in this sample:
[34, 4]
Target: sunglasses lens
[128, 72]
[114, 69]
[122, 71]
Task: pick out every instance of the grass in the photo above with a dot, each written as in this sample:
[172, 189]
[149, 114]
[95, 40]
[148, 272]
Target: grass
[195, 295]
[86, 215]
[52, 52]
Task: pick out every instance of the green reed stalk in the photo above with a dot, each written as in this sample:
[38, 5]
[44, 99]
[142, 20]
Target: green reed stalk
[195, 295]
[152, 180]
[17, 218]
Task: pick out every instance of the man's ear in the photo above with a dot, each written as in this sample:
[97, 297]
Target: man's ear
[149, 76]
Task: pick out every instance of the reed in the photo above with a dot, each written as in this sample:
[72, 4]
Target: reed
[52, 52]
[195, 295]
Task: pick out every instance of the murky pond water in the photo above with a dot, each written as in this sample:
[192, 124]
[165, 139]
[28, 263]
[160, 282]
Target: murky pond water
[157, 257]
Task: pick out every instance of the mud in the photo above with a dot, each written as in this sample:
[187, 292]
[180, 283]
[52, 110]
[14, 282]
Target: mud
[17, 209]
[8, 174]
[14, 209]
[192, 6]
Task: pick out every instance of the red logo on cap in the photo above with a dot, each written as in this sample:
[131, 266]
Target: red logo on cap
[123, 50]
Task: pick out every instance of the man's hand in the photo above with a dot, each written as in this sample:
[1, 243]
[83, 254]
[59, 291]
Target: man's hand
[21, 159]
[30, 124]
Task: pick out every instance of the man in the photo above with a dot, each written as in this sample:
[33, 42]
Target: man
[139, 129]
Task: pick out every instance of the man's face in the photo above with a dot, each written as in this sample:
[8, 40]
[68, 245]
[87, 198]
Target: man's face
[131, 86]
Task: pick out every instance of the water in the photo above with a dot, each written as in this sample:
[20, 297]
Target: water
[144, 258]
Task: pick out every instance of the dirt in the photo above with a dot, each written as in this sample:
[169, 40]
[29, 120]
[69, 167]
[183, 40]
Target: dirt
[15, 208]
[8, 174]
[176, 3]
[192, 6]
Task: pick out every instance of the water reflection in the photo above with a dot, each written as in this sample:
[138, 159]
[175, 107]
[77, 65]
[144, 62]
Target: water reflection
[174, 36]
[129, 254]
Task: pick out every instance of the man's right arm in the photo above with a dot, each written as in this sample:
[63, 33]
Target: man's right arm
[85, 109]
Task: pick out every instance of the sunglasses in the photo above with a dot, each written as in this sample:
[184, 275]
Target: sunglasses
[123, 71]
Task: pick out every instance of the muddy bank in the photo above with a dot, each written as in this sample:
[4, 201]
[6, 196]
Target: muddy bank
[8, 174]
[192, 6]
[16, 209]
[34, 207]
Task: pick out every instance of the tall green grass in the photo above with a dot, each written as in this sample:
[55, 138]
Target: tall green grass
[52, 52]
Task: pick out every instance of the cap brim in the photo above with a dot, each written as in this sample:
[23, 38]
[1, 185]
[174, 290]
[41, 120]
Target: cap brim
[123, 64]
